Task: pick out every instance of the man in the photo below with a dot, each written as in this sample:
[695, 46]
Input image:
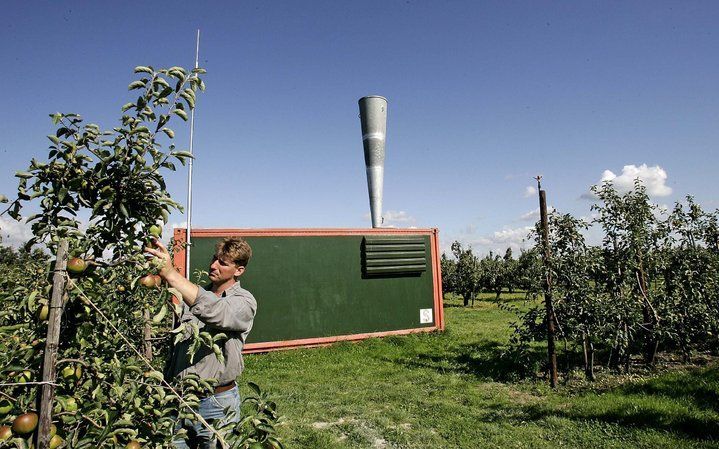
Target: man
[226, 308]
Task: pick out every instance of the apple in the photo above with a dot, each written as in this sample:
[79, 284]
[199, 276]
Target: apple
[134, 444]
[25, 423]
[70, 405]
[68, 371]
[151, 281]
[120, 288]
[43, 312]
[56, 441]
[76, 265]
[5, 433]
[53, 430]
[155, 230]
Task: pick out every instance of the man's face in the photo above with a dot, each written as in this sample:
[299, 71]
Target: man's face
[222, 269]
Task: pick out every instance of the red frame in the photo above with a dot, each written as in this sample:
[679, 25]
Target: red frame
[179, 262]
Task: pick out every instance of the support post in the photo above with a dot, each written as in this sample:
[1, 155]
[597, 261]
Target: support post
[147, 335]
[551, 325]
[49, 372]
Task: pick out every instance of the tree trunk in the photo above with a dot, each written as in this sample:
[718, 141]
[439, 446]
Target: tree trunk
[627, 357]
[614, 353]
[650, 342]
[588, 357]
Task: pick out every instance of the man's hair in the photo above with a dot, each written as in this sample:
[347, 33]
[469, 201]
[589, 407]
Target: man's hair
[235, 249]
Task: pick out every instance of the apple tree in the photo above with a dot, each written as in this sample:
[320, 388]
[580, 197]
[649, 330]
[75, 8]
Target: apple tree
[103, 192]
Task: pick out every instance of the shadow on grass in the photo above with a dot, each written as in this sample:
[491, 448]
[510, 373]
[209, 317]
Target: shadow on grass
[699, 387]
[640, 411]
[487, 360]
[449, 305]
[681, 402]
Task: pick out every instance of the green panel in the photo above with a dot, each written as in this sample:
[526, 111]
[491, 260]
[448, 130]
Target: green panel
[314, 286]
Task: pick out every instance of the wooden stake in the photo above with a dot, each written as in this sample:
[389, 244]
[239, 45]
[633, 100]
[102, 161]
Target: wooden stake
[49, 373]
[551, 349]
[147, 336]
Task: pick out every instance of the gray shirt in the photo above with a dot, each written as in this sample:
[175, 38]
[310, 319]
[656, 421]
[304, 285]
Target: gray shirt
[231, 314]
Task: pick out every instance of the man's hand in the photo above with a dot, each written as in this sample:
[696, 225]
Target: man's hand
[162, 258]
[187, 289]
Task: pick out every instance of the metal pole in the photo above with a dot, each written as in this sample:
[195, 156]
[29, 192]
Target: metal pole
[189, 176]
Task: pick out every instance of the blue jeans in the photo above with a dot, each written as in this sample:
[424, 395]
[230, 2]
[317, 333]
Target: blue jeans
[214, 409]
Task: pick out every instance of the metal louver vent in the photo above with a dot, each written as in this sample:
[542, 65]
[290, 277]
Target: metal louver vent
[393, 255]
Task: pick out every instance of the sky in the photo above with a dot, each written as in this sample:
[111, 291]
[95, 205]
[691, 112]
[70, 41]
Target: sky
[482, 97]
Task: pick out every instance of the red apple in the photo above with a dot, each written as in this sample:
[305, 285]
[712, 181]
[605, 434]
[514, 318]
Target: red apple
[76, 265]
[25, 423]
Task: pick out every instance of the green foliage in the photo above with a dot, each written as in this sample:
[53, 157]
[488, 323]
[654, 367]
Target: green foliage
[651, 285]
[106, 393]
[466, 274]
[689, 287]
[258, 427]
[115, 175]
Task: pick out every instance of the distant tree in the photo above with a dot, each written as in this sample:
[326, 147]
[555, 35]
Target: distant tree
[10, 256]
[448, 267]
[529, 271]
[467, 272]
[492, 273]
[509, 271]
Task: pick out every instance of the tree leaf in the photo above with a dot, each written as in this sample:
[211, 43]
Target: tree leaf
[136, 85]
[180, 113]
[160, 315]
[255, 388]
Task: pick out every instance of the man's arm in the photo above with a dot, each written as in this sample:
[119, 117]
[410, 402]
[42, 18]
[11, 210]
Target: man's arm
[187, 289]
[234, 312]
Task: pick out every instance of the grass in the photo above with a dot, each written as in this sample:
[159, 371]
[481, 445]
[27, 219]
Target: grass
[453, 390]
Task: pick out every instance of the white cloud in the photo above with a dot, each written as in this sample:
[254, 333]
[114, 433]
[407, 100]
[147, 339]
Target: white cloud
[530, 191]
[497, 242]
[392, 218]
[507, 236]
[532, 215]
[398, 217]
[654, 179]
[14, 233]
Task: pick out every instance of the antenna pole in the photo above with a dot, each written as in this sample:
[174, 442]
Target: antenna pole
[189, 176]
